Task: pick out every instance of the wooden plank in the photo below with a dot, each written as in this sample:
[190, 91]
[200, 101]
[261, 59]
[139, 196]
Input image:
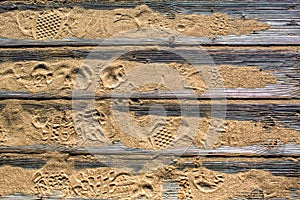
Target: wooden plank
[269, 61]
[264, 168]
[245, 135]
[244, 40]
[122, 152]
[58, 122]
[289, 168]
[284, 10]
[283, 23]
[266, 58]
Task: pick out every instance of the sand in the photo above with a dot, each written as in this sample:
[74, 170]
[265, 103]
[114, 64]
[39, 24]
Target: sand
[60, 75]
[54, 123]
[69, 23]
[60, 178]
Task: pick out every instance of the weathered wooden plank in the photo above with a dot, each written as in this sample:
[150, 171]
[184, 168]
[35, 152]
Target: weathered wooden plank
[120, 151]
[283, 23]
[273, 58]
[230, 94]
[39, 181]
[280, 63]
[286, 114]
[257, 143]
[286, 168]
[243, 40]
[27, 163]
[256, 9]
[269, 127]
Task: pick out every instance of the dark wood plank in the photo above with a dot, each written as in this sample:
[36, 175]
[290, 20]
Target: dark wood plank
[283, 23]
[256, 114]
[286, 168]
[120, 151]
[244, 40]
[281, 62]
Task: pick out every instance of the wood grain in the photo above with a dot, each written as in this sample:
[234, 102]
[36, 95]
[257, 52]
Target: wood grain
[273, 108]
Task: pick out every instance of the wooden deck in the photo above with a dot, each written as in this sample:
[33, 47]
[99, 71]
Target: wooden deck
[48, 149]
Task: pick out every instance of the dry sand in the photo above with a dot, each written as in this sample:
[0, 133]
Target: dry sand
[69, 23]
